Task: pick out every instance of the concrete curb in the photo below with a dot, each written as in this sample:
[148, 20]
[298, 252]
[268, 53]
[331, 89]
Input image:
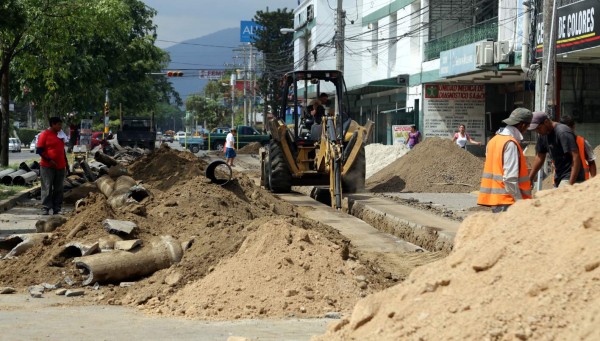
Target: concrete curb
[11, 202]
[427, 237]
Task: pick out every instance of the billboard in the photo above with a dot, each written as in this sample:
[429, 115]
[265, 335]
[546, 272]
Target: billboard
[248, 31]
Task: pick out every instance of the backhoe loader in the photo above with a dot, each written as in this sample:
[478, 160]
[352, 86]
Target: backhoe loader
[309, 152]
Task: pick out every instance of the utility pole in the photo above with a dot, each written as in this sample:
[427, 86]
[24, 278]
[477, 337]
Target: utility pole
[250, 102]
[232, 99]
[339, 37]
[549, 57]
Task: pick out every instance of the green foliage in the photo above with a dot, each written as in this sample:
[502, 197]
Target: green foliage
[8, 191]
[206, 109]
[113, 125]
[26, 135]
[278, 50]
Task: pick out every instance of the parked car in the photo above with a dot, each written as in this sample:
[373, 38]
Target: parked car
[168, 137]
[245, 135]
[14, 145]
[181, 135]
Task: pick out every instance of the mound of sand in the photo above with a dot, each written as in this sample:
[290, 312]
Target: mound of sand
[280, 270]
[530, 273]
[380, 155]
[218, 220]
[250, 148]
[435, 165]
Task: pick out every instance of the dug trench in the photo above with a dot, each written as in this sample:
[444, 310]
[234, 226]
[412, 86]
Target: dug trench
[250, 253]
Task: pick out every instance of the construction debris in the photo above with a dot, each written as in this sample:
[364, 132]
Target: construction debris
[50, 224]
[121, 265]
[127, 245]
[7, 290]
[119, 227]
[19, 243]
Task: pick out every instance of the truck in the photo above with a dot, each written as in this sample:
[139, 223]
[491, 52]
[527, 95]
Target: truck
[193, 143]
[245, 135]
[137, 132]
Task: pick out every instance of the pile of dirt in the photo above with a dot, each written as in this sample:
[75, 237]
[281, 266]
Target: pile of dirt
[281, 270]
[530, 273]
[380, 155]
[216, 221]
[250, 148]
[597, 152]
[435, 165]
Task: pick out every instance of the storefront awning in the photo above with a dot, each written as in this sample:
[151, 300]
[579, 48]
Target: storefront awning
[381, 85]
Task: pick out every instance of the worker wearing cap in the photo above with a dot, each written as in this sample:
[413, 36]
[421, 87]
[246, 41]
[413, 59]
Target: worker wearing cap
[505, 178]
[558, 140]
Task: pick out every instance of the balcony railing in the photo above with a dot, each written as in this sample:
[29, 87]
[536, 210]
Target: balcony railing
[484, 30]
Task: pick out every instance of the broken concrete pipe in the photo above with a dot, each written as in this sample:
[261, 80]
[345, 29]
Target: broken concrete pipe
[34, 166]
[8, 179]
[219, 172]
[126, 190]
[118, 266]
[106, 185]
[105, 159]
[19, 243]
[89, 175]
[25, 179]
[98, 167]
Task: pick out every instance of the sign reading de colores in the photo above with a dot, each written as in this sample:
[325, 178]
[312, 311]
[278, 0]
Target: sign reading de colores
[576, 28]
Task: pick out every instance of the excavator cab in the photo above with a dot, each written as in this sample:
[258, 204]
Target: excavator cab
[325, 148]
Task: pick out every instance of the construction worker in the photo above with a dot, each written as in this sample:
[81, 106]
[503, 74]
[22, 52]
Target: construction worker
[586, 153]
[558, 140]
[505, 178]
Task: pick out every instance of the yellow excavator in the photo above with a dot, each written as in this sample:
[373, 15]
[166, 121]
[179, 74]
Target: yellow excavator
[305, 151]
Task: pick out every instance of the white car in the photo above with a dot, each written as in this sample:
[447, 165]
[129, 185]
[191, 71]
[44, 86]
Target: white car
[14, 145]
[180, 136]
[33, 144]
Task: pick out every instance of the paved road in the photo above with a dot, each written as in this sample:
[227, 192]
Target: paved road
[24, 155]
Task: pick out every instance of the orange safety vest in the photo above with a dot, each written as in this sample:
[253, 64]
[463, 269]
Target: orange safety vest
[492, 191]
[586, 167]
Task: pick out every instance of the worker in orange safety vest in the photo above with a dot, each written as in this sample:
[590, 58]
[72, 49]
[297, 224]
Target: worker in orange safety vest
[505, 177]
[586, 153]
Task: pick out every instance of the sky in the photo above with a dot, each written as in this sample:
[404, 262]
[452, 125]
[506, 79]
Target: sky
[180, 20]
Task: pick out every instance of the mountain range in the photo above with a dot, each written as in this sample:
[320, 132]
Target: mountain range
[212, 51]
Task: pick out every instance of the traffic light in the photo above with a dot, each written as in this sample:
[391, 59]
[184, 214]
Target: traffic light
[174, 74]
[106, 109]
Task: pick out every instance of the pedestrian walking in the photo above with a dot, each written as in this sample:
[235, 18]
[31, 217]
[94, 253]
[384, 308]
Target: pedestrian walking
[414, 137]
[51, 149]
[462, 137]
[505, 179]
[230, 147]
[558, 140]
[586, 152]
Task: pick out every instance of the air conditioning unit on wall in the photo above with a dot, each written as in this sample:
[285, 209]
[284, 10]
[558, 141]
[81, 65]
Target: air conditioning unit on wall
[484, 52]
[501, 52]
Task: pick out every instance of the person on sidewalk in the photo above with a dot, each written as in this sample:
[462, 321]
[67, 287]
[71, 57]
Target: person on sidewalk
[51, 149]
[505, 179]
[230, 147]
[558, 140]
[586, 152]
[414, 137]
[462, 137]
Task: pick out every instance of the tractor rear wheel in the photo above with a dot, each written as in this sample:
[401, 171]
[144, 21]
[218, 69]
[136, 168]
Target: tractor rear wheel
[280, 178]
[354, 180]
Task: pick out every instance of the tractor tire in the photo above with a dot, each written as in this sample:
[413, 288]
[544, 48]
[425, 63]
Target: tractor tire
[265, 173]
[354, 180]
[280, 178]
[194, 149]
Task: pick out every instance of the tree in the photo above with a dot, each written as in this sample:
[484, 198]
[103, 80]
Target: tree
[67, 53]
[206, 109]
[278, 51]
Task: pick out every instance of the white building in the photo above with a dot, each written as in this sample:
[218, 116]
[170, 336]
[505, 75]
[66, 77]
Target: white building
[401, 56]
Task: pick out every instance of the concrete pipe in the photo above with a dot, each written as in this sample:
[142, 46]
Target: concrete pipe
[98, 167]
[105, 159]
[116, 171]
[6, 172]
[219, 172]
[106, 185]
[25, 179]
[19, 243]
[117, 266]
[87, 171]
[8, 179]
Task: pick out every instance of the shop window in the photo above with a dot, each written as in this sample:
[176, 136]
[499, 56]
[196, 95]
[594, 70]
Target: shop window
[580, 92]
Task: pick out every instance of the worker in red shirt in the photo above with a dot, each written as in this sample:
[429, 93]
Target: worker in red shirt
[51, 149]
